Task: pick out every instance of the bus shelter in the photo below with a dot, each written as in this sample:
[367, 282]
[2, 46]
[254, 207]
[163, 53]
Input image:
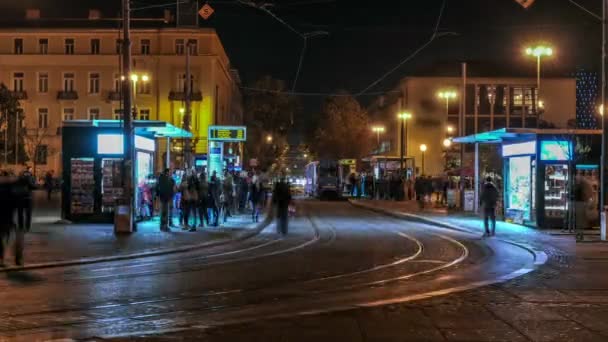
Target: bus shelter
[92, 157]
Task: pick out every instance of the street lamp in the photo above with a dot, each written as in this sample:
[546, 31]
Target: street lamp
[450, 129]
[447, 95]
[538, 52]
[423, 149]
[378, 130]
[405, 116]
[135, 78]
[269, 138]
[447, 143]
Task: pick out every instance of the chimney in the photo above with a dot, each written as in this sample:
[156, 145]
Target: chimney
[32, 13]
[94, 14]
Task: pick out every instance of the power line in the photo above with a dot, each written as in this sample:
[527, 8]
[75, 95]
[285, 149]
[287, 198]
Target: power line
[416, 52]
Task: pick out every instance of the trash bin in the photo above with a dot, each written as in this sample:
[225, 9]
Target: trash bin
[122, 219]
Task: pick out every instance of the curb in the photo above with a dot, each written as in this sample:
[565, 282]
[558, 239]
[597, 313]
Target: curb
[540, 257]
[258, 228]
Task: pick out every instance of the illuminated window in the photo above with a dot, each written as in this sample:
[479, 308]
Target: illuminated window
[18, 50]
[143, 87]
[43, 82]
[69, 46]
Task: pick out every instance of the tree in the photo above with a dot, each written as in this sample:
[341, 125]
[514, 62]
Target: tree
[36, 146]
[269, 112]
[11, 115]
[344, 131]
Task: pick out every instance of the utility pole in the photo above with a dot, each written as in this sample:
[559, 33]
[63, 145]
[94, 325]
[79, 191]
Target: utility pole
[462, 129]
[129, 139]
[188, 112]
[604, 159]
[403, 143]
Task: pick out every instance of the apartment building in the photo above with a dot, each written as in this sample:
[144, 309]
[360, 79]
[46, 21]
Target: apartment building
[490, 103]
[71, 70]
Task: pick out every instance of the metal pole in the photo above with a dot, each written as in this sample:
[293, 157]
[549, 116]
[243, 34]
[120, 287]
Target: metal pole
[402, 135]
[447, 107]
[16, 140]
[477, 180]
[188, 113]
[423, 162]
[168, 154]
[538, 109]
[129, 142]
[462, 127]
[603, 175]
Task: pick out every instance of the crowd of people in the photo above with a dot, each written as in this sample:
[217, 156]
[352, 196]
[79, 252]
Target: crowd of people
[197, 200]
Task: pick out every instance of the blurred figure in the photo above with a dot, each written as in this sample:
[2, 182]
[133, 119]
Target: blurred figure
[23, 190]
[227, 189]
[165, 190]
[281, 198]
[7, 213]
[213, 198]
[48, 184]
[488, 199]
[189, 191]
[203, 194]
[255, 194]
[419, 189]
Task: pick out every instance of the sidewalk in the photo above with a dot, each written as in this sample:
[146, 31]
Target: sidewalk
[48, 243]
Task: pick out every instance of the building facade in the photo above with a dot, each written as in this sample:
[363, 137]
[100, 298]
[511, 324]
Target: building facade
[490, 103]
[74, 73]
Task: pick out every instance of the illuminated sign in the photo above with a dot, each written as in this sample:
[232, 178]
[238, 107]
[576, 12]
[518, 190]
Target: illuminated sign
[555, 150]
[348, 162]
[110, 144]
[518, 149]
[145, 144]
[227, 133]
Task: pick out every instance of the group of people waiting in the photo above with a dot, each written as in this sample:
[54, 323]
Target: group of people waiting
[199, 199]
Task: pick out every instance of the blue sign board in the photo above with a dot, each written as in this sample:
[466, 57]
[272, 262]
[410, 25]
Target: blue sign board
[555, 150]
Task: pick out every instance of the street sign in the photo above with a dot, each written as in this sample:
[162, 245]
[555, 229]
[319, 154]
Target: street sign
[206, 11]
[348, 161]
[227, 133]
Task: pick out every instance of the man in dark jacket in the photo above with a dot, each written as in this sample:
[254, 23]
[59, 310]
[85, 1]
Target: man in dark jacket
[24, 187]
[488, 200]
[213, 198]
[165, 191]
[281, 198]
[7, 212]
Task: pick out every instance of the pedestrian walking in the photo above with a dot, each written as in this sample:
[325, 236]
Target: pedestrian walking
[26, 183]
[281, 198]
[255, 194]
[419, 189]
[7, 214]
[165, 191]
[488, 199]
[48, 184]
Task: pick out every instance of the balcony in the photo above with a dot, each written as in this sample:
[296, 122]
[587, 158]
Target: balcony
[181, 96]
[20, 95]
[67, 95]
[114, 96]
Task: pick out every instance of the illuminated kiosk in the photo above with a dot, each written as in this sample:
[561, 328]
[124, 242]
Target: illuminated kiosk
[218, 158]
[539, 166]
[92, 155]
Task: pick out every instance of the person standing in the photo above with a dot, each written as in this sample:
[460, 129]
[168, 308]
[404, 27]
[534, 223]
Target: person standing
[203, 191]
[227, 189]
[165, 191]
[7, 214]
[25, 184]
[281, 198]
[213, 198]
[488, 199]
[255, 191]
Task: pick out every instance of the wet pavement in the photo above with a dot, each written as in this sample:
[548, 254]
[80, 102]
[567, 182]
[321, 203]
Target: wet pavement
[51, 241]
[342, 273]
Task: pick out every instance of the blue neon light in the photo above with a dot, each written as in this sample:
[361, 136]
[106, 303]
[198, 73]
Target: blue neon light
[555, 150]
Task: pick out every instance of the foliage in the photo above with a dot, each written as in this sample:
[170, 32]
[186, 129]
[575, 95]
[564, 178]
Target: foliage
[34, 140]
[268, 112]
[345, 129]
[11, 114]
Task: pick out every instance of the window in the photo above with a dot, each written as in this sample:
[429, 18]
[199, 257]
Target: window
[117, 114]
[18, 81]
[144, 114]
[18, 46]
[145, 46]
[93, 113]
[69, 46]
[68, 114]
[181, 86]
[179, 46]
[118, 46]
[41, 154]
[43, 46]
[117, 83]
[68, 81]
[94, 83]
[193, 46]
[43, 82]
[143, 87]
[95, 46]
[43, 117]
[523, 96]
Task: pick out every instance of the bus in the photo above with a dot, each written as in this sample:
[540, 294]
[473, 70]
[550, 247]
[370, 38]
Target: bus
[322, 179]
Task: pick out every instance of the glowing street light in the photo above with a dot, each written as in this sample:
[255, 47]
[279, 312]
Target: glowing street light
[447, 95]
[447, 142]
[182, 111]
[538, 52]
[378, 130]
[405, 116]
[269, 138]
[423, 149]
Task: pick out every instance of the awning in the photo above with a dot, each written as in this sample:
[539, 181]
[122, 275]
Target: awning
[519, 134]
[157, 129]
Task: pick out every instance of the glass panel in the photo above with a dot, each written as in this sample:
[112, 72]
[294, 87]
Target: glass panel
[556, 194]
[111, 189]
[519, 189]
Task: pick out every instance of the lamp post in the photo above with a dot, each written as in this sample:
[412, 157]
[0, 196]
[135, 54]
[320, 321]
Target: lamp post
[378, 130]
[135, 78]
[404, 117]
[423, 149]
[538, 52]
[447, 95]
[447, 143]
[268, 138]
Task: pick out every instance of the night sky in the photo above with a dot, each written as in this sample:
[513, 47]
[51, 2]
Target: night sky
[367, 38]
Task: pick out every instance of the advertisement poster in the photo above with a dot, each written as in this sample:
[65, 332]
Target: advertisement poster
[469, 200]
[215, 162]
